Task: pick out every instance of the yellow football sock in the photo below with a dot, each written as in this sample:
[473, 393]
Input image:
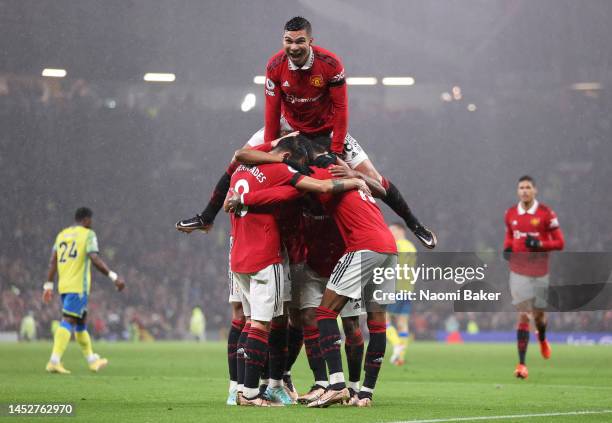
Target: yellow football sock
[403, 339]
[84, 341]
[392, 335]
[61, 339]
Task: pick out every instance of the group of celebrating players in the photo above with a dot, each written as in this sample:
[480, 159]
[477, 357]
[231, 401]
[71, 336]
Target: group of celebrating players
[306, 238]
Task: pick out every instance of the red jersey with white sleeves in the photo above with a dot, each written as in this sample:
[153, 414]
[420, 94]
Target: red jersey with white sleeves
[256, 237]
[539, 222]
[312, 98]
[359, 219]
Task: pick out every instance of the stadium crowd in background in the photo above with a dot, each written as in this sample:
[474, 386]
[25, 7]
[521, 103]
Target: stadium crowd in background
[167, 138]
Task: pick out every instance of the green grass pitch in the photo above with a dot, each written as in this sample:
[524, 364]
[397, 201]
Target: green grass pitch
[185, 382]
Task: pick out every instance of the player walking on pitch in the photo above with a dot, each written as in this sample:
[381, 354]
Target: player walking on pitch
[532, 230]
[398, 314]
[75, 248]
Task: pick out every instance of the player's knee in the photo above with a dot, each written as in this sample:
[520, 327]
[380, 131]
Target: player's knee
[350, 325]
[523, 317]
[295, 318]
[238, 312]
[402, 324]
[70, 319]
[377, 317]
[309, 317]
[539, 317]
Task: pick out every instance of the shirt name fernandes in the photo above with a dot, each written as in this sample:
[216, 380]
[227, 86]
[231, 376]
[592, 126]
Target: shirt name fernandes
[253, 170]
[427, 295]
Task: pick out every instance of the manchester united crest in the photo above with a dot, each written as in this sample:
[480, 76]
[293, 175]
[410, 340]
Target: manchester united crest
[535, 221]
[316, 81]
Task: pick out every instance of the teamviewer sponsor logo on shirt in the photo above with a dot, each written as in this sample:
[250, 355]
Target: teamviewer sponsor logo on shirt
[290, 98]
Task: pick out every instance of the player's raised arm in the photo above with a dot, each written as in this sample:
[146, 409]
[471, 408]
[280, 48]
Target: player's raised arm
[257, 157]
[339, 98]
[273, 105]
[326, 186]
[342, 170]
[105, 270]
[331, 186]
[51, 271]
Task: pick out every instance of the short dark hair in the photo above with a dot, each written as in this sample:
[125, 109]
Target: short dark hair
[294, 146]
[320, 144]
[82, 213]
[298, 23]
[527, 178]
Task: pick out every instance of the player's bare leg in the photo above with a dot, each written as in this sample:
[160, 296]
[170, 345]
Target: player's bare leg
[522, 341]
[396, 202]
[541, 321]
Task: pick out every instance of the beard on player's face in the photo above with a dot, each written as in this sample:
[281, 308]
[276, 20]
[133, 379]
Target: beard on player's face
[297, 46]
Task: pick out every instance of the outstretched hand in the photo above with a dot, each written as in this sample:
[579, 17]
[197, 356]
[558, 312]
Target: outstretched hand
[47, 296]
[120, 284]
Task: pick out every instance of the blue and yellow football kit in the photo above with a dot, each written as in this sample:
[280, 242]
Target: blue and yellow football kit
[406, 257]
[73, 246]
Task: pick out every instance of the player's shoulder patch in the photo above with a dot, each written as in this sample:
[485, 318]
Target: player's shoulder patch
[551, 216]
[276, 60]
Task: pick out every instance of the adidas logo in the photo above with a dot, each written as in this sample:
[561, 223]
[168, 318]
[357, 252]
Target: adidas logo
[246, 357]
[377, 360]
[286, 84]
[240, 351]
[338, 342]
[356, 306]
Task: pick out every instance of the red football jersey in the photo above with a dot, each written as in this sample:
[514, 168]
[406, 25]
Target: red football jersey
[324, 243]
[291, 224]
[256, 236]
[359, 219]
[312, 98]
[540, 222]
